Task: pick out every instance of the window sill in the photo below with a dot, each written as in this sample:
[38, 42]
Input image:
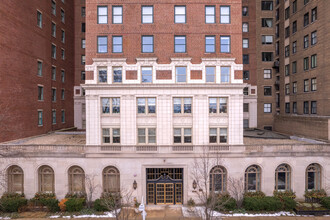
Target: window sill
[218, 114]
[182, 114]
[110, 115]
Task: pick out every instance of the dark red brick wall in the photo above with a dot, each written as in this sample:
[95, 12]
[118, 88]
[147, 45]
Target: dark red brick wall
[196, 74]
[163, 74]
[131, 74]
[22, 42]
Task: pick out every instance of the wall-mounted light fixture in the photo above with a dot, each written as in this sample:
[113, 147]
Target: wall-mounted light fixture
[134, 185]
[194, 184]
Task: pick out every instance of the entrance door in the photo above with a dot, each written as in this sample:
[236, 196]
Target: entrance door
[165, 193]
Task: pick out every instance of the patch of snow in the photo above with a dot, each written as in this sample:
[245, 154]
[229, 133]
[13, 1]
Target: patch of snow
[106, 215]
[311, 141]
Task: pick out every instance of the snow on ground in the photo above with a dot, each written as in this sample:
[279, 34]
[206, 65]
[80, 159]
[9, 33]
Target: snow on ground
[106, 215]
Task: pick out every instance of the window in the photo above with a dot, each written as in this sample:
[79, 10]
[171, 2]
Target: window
[83, 12]
[314, 14]
[40, 93]
[224, 14]
[294, 107]
[76, 180]
[181, 74]
[306, 43]
[253, 178]
[53, 29]
[40, 118]
[209, 44]
[313, 61]
[179, 44]
[277, 31]
[182, 105]
[277, 14]
[63, 54]
[147, 44]
[210, 74]
[53, 95]
[246, 91]
[63, 36]
[245, 43]
[306, 63]
[314, 38]
[267, 39]
[306, 85]
[110, 135]
[63, 116]
[146, 135]
[267, 91]
[305, 2]
[306, 19]
[179, 14]
[267, 56]
[147, 15]
[287, 13]
[287, 51]
[209, 14]
[267, 107]
[287, 32]
[218, 179]
[313, 107]
[182, 136]
[306, 107]
[225, 44]
[245, 107]
[245, 11]
[313, 177]
[287, 69]
[294, 27]
[283, 178]
[246, 123]
[267, 5]
[218, 135]
[117, 44]
[287, 89]
[102, 44]
[294, 87]
[294, 6]
[218, 105]
[53, 73]
[62, 94]
[146, 73]
[83, 75]
[15, 179]
[294, 67]
[110, 105]
[83, 27]
[62, 16]
[39, 19]
[294, 47]
[103, 75]
[53, 7]
[117, 74]
[267, 74]
[146, 105]
[83, 43]
[39, 68]
[46, 179]
[117, 14]
[245, 27]
[225, 74]
[313, 84]
[246, 59]
[267, 22]
[111, 180]
[53, 51]
[62, 76]
[246, 75]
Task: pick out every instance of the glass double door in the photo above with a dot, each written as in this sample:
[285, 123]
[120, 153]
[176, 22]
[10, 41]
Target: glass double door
[164, 193]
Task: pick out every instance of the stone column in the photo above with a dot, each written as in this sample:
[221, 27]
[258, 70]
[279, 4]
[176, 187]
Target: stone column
[235, 111]
[93, 125]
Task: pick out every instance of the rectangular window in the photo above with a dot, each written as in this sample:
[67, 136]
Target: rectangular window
[117, 44]
[53, 29]
[39, 19]
[225, 74]
[111, 136]
[209, 14]
[182, 105]
[146, 135]
[63, 36]
[62, 94]
[53, 116]
[306, 19]
[117, 74]
[62, 76]
[83, 27]
[314, 14]
[147, 14]
[287, 32]
[267, 73]
[182, 136]
[267, 5]
[53, 73]
[245, 107]
[287, 51]
[63, 116]
[294, 27]
[146, 105]
[53, 95]
[40, 118]
[146, 74]
[306, 85]
[40, 93]
[225, 14]
[53, 7]
[313, 84]
[294, 6]
[267, 91]
[294, 107]
[102, 44]
[246, 59]
[210, 74]
[245, 43]
[83, 75]
[179, 14]
[83, 59]
[306, 63]
[179, 44]
[245, 27]
[110, 105]
[63, 54]
[218, 135]
[39, 68]
[245, 11]
[246, 75]
[287, 13]
[306, 107]
[267, 39]
[287, 69]
[225, 44]
[103, 75]
[83, 43]
[305, 2]
[181, 74]
[306, 43]
[62, 16]
[314, 38]
[83, 12]
[147, 44]
[267, 56]
[53, 51]
[313, 61]
[246, 123]
[313, 107]
[218, 105]
[209, 44]
[267, 107]
[287, 107]
[294, 67]
[287, 89]
[294, 87]
[117, 14]
[294, 47]
[267, 22]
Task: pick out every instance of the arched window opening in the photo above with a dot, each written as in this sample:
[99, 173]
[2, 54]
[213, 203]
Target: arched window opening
[218, 179]
[15, 179]
[283, 177]
[46, 179]
[76, 179]
[111, 180]
[253, 178]
[313, 177]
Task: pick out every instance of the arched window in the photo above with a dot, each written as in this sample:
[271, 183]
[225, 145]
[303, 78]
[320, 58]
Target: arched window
[76, 179]
[15, 179]
[46, 179]
[313, 177]
[218, 179]
[253, 178]
[283, 177]
[111, 180]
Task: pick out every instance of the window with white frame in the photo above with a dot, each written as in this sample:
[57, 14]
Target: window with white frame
[147, 14]
[267, 73]
[218, 105]
[182, 136]
[267, 107]
[210, 14]
[146, 135]
[110, 135]
[245, 43]
[245, 26]
[146, 105]
[225, 14]
[181, 74]
[110, 105]
[102, 75]
[117, 14]
[179, 14]
[83, 43]
[117, 74]
[218, 136]
[210, 74]
[225, 74]
[146, 74]
[182, 105]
